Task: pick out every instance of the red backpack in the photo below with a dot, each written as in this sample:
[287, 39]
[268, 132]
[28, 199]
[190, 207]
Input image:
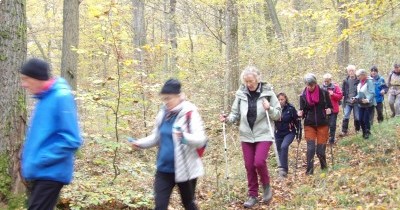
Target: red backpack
[200, 151]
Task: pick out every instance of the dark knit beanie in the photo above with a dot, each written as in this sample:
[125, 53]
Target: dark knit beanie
[171, 86]
[37, 69]
[374, 68]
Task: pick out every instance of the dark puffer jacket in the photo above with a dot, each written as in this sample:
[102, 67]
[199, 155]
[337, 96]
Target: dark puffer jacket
[315, 115]
[288, 122]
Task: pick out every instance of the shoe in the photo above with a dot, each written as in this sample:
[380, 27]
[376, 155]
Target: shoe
[321, 154]
[343, 134]
[250, 202]
[282, 173]
[267, 196]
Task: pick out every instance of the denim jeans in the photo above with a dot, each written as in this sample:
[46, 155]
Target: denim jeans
[282, 144]
[348, 109]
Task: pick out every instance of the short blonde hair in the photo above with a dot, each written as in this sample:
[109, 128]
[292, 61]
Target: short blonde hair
[250, 70]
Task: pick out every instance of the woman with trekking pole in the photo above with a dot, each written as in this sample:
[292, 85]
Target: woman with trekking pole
[253, 101]
[285, 132]
[178, 133]
[315, 108]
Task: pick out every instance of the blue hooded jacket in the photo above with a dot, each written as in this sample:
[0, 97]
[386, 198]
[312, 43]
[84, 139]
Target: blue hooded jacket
[53, 136]
[379, 86]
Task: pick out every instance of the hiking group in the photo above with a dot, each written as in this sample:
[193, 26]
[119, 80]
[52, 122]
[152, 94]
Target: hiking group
[266, 120]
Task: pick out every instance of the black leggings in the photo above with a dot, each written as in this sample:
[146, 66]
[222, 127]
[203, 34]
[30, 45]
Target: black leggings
[163, 185]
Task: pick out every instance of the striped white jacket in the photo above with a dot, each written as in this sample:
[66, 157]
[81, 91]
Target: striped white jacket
[188, 164]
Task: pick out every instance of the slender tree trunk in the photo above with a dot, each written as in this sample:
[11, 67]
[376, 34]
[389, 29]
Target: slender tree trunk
[166, 37]
[139, 29]
[232, 52]
[297, 7]
[12, 103]
[172, 35]
[269, 30]
[342, 53]
[69, 58]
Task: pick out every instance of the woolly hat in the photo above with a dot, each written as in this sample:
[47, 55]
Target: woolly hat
[171, 86]
[37, 69]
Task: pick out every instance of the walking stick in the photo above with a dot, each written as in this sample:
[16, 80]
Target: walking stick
[226, 156]
[273, 138]
[332, 155]
[299, 135]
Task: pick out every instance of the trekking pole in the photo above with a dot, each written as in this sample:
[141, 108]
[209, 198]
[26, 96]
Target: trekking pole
[299, 135]
[273, 138]
[332, 155]
[226, 157]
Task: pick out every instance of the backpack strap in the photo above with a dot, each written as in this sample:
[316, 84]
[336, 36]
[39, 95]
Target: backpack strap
[188, 119]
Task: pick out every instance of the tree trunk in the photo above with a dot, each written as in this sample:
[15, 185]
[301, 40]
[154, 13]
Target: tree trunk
[69, 58]
[12, 103]
[139, 29]
[172, 34]
[269, 30]
[232, 53]
[166, 37]
[297, 6]
[342, 56]
[274, 18]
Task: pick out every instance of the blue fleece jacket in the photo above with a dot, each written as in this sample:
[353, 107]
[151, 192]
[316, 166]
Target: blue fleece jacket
[53, 136]
[379, 86]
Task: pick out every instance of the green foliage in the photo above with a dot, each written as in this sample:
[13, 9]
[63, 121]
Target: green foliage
[5, 179]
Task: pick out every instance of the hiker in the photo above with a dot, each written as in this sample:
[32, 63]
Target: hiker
[349, 89]
[315, 108]
[52, 138]
[394, 90]
[380, 90]
[336, 95]
[365, 99]
[286, 130]
[178, 132]
[252, 100]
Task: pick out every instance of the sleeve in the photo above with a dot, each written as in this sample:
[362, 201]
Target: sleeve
[371, 91]
[337, 95]
[327, 100]
[302, 103]
[152, 139]
[197, 137]
[275, 110]
[344, 91]
[235, 111]
[384, 85]
[68, 133]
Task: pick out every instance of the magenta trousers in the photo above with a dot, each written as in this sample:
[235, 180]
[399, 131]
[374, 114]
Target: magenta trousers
[255, 156]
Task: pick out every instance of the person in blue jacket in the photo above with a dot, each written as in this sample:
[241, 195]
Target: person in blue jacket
[380, 90]
[286, 129]
[52, 137]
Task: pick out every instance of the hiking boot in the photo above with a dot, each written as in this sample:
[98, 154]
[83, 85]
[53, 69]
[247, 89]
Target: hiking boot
[267, 196]
[282, 173]
[310, 157]
[342, 134]
[321, 154]
[250, 202]
[366, 134]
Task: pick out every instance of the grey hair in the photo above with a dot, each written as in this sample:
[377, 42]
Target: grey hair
[310, 79]
[327, 76]
[251, 70]
[351, 67]
[361, 72]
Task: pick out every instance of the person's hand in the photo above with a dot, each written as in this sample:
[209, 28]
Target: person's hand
[132, 143]
[382, 92]
[352, 100]
[328, 111]
[365, 101]
[330, 92]
[266, 104]
[300, 113]
[222, 117]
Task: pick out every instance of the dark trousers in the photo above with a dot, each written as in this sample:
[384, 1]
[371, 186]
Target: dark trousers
[332, 127]
[44, 195]
[365, 113]
[163, 186]
[282, 144]
[379, 110]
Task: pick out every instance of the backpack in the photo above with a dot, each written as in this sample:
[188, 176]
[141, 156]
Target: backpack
[200, 151]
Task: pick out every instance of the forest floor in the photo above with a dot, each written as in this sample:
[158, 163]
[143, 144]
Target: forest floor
[365, 175]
